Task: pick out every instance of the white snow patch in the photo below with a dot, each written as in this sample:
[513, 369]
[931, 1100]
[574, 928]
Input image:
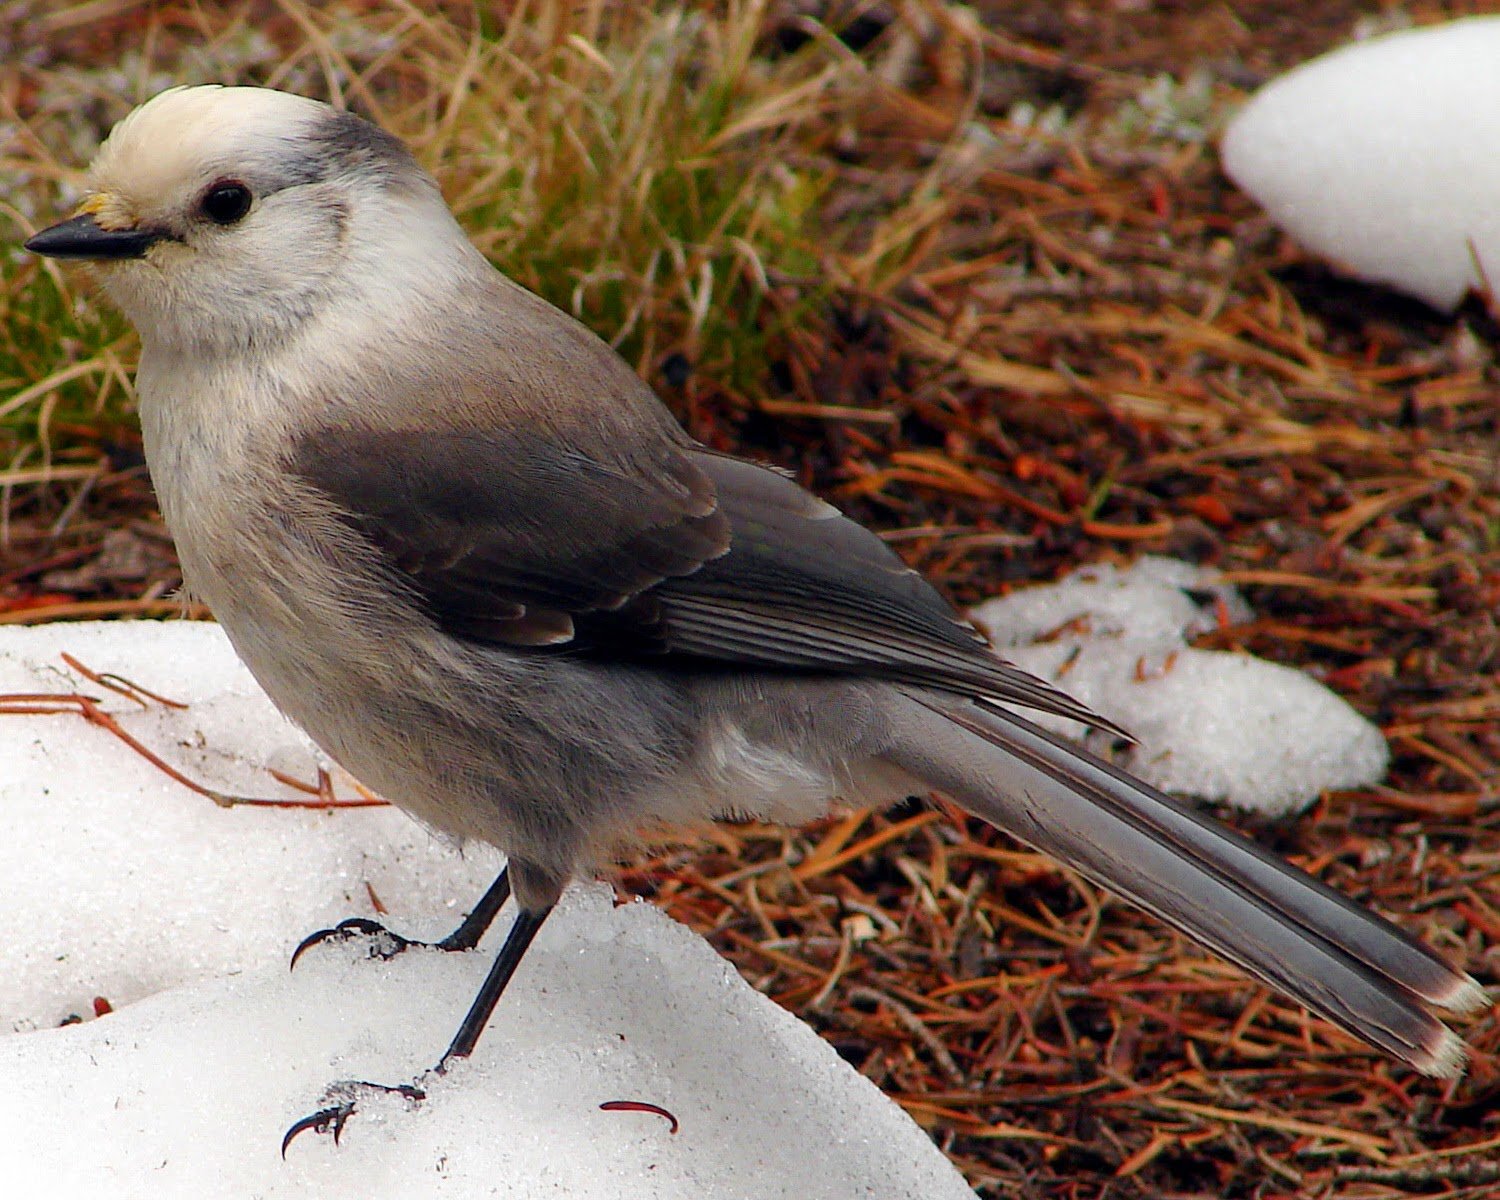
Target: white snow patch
[117, 882]
[1211, 724]
[1381, 156]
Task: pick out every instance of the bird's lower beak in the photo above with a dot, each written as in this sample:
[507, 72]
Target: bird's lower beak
[82, 238]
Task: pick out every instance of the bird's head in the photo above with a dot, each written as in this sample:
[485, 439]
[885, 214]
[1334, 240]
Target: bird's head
[230, 215]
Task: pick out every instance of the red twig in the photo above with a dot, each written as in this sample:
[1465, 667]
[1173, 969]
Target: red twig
[639, 1106]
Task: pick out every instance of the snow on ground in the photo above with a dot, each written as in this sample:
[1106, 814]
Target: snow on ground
[1211, 724]
[117, 882]
[1380, 156]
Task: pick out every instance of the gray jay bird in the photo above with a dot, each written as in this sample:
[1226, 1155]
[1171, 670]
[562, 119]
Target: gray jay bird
[460, 542]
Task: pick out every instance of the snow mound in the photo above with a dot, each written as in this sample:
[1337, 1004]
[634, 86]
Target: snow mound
[1381, 156]
[1211, 724]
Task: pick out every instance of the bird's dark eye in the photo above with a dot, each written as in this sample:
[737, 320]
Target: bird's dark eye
[226, 202]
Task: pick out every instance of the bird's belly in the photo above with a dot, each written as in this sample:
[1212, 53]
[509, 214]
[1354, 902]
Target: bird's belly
[351, 683]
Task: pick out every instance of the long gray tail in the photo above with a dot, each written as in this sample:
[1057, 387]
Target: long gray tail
[1278, 923]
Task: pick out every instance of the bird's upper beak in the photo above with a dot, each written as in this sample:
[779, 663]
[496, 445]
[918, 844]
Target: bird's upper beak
[82, 238]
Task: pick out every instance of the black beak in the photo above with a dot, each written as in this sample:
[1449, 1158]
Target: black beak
[84, 239]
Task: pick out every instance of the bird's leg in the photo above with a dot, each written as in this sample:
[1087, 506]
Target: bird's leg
[528, 922]
[382, 943]
[345, 1096]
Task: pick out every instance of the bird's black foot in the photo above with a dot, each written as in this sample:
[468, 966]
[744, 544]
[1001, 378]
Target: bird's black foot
[343, 1102]
[379, 941]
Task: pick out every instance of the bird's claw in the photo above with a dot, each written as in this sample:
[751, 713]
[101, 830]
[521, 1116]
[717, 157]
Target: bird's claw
[322, 1121]
[381, 942]
[345, 1099]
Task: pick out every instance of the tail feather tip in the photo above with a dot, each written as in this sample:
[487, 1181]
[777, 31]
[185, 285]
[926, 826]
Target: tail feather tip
[1467, 995]
[1447, 1059]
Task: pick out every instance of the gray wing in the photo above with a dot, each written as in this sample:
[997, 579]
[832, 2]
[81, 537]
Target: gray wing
[513, 539]
[672, 552]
